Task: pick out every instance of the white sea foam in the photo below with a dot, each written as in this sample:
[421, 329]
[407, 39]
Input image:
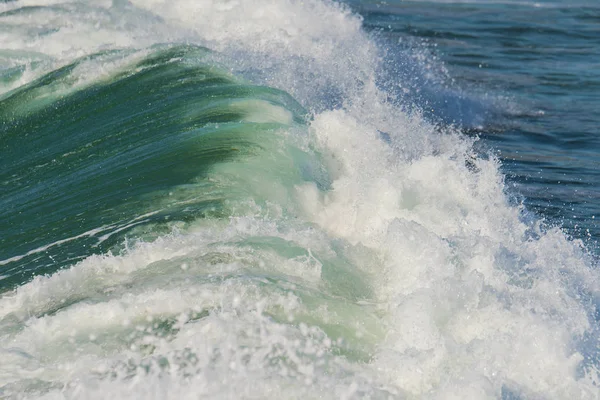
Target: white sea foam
[467, 288]
[411, 276]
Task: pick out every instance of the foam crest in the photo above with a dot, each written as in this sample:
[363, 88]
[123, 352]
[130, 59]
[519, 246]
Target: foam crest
[286, 44]
[468, 288]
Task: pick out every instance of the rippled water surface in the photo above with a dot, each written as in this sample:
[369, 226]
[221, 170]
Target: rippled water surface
[524, 77]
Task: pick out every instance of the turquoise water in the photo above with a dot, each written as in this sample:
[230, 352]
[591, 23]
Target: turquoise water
[130, 151]
[257, 199]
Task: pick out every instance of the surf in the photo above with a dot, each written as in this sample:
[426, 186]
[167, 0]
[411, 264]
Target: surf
[247, 211]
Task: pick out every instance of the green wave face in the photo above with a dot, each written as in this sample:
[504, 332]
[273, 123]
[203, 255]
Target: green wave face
[86, 161]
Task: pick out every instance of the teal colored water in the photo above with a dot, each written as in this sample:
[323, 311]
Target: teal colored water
[285, 199]
[130, 151]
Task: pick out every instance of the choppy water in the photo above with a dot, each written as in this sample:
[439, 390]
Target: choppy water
[524, 76]
[283, 199]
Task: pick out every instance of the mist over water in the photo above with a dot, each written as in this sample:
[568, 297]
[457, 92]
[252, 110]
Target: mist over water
[256, 199]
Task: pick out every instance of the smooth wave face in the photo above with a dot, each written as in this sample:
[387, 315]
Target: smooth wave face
[229, 200]
[90, 162]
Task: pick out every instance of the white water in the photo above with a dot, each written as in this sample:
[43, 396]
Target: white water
[418, 262]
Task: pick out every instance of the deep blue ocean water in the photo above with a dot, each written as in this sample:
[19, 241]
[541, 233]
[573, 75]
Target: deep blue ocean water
[523, 76]
[299, 199]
